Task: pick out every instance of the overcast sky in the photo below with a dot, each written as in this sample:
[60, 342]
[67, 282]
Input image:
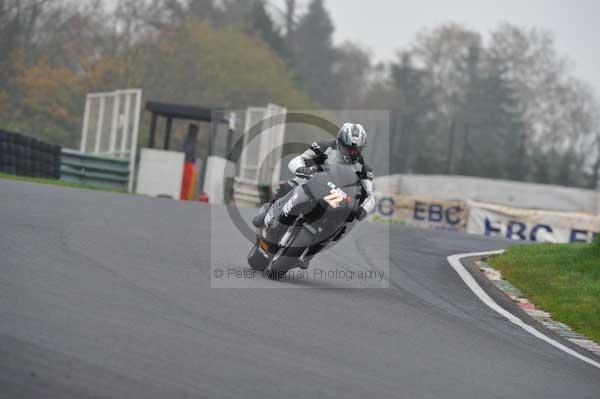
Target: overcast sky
[387, 25]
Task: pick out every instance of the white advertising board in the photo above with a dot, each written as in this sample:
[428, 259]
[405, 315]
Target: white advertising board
[493, 220]
[217, 171]
[160, 173]
[421, 211]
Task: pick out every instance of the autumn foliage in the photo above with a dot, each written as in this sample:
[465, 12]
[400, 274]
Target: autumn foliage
[193, 63]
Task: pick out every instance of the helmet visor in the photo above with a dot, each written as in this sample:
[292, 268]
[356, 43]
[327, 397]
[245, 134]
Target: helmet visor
[353, 152]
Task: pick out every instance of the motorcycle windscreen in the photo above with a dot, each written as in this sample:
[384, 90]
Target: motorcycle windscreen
[320, 186]
[342, 176]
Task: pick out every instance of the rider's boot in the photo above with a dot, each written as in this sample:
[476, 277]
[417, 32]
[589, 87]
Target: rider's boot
[304, 264]
[259, 220]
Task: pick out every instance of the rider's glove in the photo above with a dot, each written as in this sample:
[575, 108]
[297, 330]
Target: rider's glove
[305, 172]
[361, 213]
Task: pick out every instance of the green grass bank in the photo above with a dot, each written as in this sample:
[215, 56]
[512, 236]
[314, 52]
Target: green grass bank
[563, 279]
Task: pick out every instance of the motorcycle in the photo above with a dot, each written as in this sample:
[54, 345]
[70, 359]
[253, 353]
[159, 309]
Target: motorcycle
[307, 220]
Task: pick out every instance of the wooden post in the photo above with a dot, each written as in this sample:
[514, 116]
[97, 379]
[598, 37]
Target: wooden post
[168, 133]
[152, 131]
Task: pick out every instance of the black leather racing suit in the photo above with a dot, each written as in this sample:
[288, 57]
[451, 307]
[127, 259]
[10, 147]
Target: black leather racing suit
[326, 151]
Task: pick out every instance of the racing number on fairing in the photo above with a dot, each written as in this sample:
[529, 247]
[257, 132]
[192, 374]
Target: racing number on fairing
[336, 196]
[334, 199]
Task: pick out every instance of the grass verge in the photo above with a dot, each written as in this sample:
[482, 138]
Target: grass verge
[563, 279]
[377, 218]
[60, 183]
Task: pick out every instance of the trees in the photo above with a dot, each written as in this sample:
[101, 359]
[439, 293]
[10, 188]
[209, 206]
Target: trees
[504, 107]
[557, 109]
[18, 22]
[350, 75]
[262, 24]
[507, 110]
[186, 61]
[203, 65]
[334, 76]
[54, 44]
[502, 126]
[314, 54]
[413, 126]
[436, 86]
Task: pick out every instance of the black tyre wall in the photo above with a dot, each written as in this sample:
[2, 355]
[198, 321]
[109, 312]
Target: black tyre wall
[27, 156]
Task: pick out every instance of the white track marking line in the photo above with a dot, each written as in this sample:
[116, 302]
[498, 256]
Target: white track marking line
[454, 261]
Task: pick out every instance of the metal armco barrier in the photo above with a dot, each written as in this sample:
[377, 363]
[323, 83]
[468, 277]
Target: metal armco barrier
[94, 170]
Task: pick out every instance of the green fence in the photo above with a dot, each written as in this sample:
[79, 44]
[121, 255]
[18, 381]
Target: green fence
[94, 170]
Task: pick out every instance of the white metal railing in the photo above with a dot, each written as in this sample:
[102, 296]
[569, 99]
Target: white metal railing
[124, 119]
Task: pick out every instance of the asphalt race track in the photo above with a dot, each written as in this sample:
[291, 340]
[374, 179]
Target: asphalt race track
[108, 295]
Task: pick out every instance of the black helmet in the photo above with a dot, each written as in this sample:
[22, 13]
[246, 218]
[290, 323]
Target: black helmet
[351, 140]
